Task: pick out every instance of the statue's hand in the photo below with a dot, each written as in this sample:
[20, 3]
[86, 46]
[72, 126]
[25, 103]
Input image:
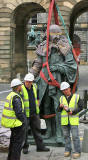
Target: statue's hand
[57, 68]
[53, 68]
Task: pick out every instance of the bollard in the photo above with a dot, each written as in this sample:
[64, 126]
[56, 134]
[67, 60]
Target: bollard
[85, 141]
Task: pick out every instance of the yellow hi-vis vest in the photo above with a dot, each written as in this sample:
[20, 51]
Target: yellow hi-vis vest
[73, 119]
[9, 119]
[26, 99]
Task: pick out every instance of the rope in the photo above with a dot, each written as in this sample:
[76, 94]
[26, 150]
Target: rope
[62, 20]
[73, 50]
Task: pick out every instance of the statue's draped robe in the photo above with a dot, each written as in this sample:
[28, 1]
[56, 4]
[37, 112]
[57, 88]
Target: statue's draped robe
[63, 68]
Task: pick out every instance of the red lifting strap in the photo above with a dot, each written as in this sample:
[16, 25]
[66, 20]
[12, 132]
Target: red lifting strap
[75, 83]
[53, 82]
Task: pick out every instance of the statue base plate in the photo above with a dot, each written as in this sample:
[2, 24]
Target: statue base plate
[52, 141]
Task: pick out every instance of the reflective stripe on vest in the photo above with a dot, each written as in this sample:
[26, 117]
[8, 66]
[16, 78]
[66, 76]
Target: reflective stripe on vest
[73, 119]
[26, 99]
[9, 119]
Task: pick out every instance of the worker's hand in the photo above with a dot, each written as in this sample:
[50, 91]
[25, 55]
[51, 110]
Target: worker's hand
[61, 105]
[66, 108]
[70, 113]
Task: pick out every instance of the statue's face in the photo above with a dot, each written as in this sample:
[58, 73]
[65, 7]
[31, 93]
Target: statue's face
[67, 92]
[28, 84]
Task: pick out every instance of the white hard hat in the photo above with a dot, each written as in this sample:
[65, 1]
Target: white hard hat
[29, 77]
[15, 82]
[64, 85]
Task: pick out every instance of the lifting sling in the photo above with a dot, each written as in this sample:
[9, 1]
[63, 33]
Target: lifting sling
[54, 8]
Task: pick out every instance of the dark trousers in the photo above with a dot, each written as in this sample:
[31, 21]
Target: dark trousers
[17, 139]
[34, 122]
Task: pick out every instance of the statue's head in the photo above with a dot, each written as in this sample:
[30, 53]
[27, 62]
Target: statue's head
[55, 31]
[59, 40]
[54, 28]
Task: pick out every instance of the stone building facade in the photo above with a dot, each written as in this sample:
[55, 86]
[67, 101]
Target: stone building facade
[14, 16]
[81, 29]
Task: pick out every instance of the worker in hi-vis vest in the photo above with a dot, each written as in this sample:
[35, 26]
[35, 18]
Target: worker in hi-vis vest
[31, 106]
[70, 105]
[13, 117]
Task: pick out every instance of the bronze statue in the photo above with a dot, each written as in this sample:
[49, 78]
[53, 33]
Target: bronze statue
[34, 38]
[63, 67]
[31, 36]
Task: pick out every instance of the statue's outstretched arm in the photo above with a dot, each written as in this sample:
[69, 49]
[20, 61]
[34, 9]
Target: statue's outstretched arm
[36, 66]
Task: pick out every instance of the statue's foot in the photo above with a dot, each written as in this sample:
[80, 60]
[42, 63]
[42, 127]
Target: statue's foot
[46, 136]
[60, 140]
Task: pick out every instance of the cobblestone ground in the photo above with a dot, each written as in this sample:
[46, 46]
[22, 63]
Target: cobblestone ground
[56, 153]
